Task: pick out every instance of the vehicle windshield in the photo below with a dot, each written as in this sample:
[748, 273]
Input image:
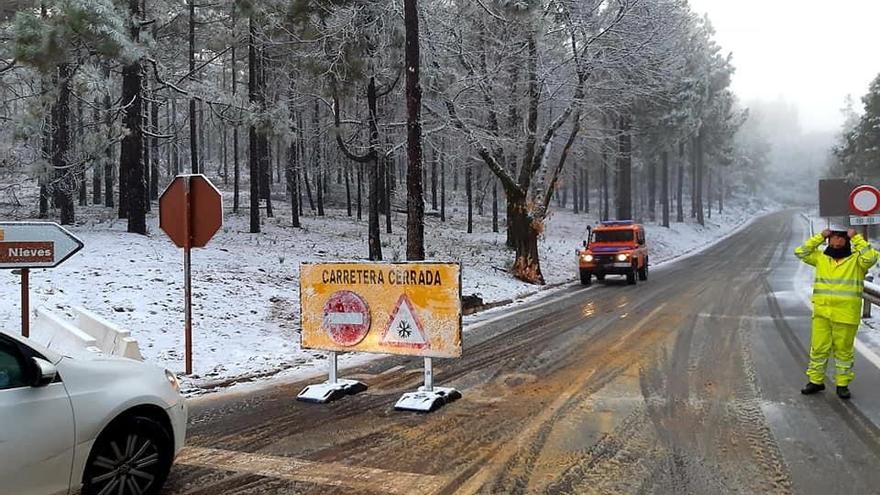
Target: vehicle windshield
[613, 236]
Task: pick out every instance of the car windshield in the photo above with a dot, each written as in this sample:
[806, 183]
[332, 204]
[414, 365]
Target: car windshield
[613, 236]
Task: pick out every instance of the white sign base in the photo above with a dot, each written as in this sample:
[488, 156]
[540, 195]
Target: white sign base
[322, 393]
[424, 401]
[333, 388]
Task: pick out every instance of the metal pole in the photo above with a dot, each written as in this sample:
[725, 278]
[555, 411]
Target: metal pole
[429, 375]
[25, 303]
[187, 274]
[332, 363]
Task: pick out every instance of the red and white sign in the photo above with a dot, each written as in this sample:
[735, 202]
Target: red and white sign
[405, 329]
[346, 318]
[864, 200]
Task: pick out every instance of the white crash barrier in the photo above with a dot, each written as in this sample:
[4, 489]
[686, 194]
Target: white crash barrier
[111, 339]
[91, 333]
[59, 335]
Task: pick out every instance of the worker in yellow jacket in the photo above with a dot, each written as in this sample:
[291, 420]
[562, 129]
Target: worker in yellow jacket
[837, 303]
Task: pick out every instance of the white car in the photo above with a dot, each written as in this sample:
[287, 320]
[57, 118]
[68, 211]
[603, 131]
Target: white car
[97, 424]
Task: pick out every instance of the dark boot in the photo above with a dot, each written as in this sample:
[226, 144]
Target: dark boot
[811, 388]
[843, 392]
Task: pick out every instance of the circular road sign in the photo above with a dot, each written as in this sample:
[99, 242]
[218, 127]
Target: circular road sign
[864, 200]
[346, 318]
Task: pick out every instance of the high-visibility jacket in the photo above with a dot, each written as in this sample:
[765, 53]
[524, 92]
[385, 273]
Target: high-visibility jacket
[837, 288]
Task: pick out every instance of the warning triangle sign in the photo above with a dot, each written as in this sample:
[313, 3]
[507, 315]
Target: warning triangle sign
[405, 329]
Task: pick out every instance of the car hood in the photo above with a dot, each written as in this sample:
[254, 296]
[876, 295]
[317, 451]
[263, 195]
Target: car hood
[609, 249]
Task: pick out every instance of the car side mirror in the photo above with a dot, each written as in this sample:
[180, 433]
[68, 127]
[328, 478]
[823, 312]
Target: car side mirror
[641, 242]
[585, 243]
[44, 372]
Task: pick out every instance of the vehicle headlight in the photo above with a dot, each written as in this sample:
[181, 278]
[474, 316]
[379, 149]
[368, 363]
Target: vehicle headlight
[622, 257]
[172, 380]
[588, 258]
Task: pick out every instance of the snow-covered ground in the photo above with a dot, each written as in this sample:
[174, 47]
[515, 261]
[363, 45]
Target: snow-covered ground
[245, 286]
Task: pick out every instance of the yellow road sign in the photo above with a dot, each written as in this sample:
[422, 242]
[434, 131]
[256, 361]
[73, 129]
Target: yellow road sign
[412, 309]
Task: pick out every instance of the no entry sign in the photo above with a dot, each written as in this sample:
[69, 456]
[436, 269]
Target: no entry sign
[346, 318]
[864, 200]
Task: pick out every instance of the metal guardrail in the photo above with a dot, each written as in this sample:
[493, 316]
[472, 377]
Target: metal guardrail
[871, 294]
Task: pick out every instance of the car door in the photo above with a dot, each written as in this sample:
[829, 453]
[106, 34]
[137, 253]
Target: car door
[36, 428]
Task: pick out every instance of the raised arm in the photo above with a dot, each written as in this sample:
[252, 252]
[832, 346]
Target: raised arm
[808, 253]
[867, 255]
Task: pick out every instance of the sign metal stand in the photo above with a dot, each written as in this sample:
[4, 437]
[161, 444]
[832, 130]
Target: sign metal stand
[333, 388]
[428, 398]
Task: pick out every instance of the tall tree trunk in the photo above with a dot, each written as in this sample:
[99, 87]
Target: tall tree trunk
[316, 159]
[347, 174]
[415, 204]
[108, 154]
[193, 131]
[624, 171]
[388, 179]
[100, 164]
[265, 161]
[575, 190]
[494, 205]
[133, 142]
[442, 186]
[154, 142]
[586, 174]
[699, 177]
[606, 210]
[469, 191]
[64, 181]
[292, 176]
[374, 241]
[253, 140]
[664, 191]
[360, 181]
[679, 194]
[709, 191]
[81, 170]
[236, 172]
[145, 140]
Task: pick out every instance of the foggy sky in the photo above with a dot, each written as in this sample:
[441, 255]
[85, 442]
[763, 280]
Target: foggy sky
[810, 52]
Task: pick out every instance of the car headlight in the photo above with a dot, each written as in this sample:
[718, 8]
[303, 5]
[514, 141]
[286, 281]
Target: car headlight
[622, 257]
[172, 380]
[588, 258]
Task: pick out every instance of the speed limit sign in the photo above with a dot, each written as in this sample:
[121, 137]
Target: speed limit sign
[864, 200]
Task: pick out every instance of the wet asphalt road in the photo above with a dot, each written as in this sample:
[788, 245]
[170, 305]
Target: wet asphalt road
[686, 383]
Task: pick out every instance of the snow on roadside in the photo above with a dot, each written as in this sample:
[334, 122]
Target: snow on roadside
[246, 304]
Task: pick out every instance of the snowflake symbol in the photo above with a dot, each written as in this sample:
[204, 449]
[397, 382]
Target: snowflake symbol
[404, 330]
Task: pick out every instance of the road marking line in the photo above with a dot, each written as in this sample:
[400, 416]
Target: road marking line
[322, 473]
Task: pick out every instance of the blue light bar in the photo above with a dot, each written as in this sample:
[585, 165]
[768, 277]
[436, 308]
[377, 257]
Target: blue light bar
[617, 222]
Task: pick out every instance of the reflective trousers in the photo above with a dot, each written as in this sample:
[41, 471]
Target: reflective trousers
[827, 337]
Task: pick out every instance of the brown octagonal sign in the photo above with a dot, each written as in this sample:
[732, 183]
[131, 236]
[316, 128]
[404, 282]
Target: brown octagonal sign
[190, 210]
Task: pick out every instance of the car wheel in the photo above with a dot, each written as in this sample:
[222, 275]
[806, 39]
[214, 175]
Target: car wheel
[631, 276]
[600, 276]
[131, 457]
[586, 277]
[643, 272]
